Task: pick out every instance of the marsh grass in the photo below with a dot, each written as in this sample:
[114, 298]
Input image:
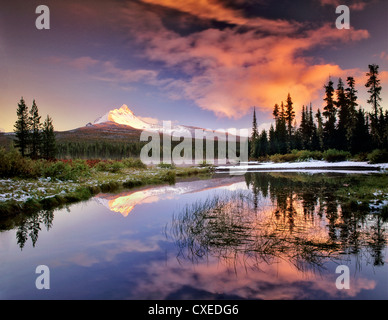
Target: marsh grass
[229, 228]
[313, 219]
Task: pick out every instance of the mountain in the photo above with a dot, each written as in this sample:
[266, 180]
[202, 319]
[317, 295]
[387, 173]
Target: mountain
[117, 126]
[124, 116]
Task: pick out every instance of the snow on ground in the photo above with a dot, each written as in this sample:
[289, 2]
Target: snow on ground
[315, 165]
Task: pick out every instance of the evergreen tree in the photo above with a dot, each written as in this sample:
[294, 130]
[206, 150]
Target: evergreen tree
[360, 141]
[319, 129]
[22, 128]
[276, 111]
[289, 115]
[263, 144]
[373, 84]
[48, 139]
[254, 136]
[273, 143]
[314, 141]
[281, 132]
[351, 98]
[35, 127]
[329, 130]
[255, 133]
[304, 129]
[344, 116]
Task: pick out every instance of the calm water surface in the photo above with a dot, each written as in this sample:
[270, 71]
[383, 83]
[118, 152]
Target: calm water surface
[258, 236]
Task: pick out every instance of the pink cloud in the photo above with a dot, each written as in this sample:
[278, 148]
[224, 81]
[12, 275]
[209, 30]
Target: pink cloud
[83, 63]
[230, 71]
[354, 5]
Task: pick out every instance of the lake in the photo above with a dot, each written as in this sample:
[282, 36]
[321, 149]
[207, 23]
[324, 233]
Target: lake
[262, 235]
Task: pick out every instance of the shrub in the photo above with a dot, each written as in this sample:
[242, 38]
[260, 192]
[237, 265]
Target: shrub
[57, 170]
[110, 166]
[102, 166]
[288, 157]
[303, 155]
[333, 155]
[134, 163]
[116, 166]
[170, 176]
[166, 165]
[79, 169]
[12, 164]
[378, 156]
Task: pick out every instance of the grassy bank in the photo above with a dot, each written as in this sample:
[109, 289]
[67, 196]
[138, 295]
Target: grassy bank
[331, 155]
[31, 185]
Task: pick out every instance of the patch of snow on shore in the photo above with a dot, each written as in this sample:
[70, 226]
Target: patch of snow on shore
[313, 164]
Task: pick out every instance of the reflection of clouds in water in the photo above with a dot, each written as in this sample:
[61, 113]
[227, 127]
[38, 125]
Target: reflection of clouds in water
[108, 250]
[243, 269]
[281, 282]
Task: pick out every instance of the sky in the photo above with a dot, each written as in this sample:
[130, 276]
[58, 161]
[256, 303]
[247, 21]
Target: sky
[204, 63]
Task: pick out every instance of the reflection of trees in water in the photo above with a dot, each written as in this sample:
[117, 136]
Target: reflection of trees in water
[30, 226]
[306, 224]
[350, 225]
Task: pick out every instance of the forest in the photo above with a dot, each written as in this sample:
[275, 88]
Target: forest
[341, 130]
[342, 125]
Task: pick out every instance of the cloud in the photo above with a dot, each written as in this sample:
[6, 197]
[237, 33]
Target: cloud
[83, 63]
[384, 55]
[231, 70]
[216, 10]
[355, 5]
[107, 71]
[150, 120]
[253, 62]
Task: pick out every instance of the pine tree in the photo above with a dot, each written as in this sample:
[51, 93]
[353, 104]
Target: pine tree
[273, 143]
[255, 133]
[329, 130]
[360, 139]
[373, 84]
[254, 136]
[351, 98]
[48, 139]
[281, 131]
[35, 127]
[343, 116]
[276, 111]
[314, 141]
[374, 88]
[319, 129]
[263, 143]
[289, 115]
[304, 129]
[22, 128]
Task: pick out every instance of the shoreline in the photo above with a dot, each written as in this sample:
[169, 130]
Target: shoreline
[47, 194]
[313, 165]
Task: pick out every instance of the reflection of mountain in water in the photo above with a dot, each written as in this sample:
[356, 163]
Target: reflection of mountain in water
[126, 201]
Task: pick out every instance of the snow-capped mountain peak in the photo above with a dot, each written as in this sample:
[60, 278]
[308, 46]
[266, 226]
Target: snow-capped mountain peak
[124, 116]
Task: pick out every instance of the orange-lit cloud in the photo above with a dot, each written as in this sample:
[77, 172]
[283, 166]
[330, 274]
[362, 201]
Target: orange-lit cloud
[233, 69]
[355, 5]
[254, 62]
